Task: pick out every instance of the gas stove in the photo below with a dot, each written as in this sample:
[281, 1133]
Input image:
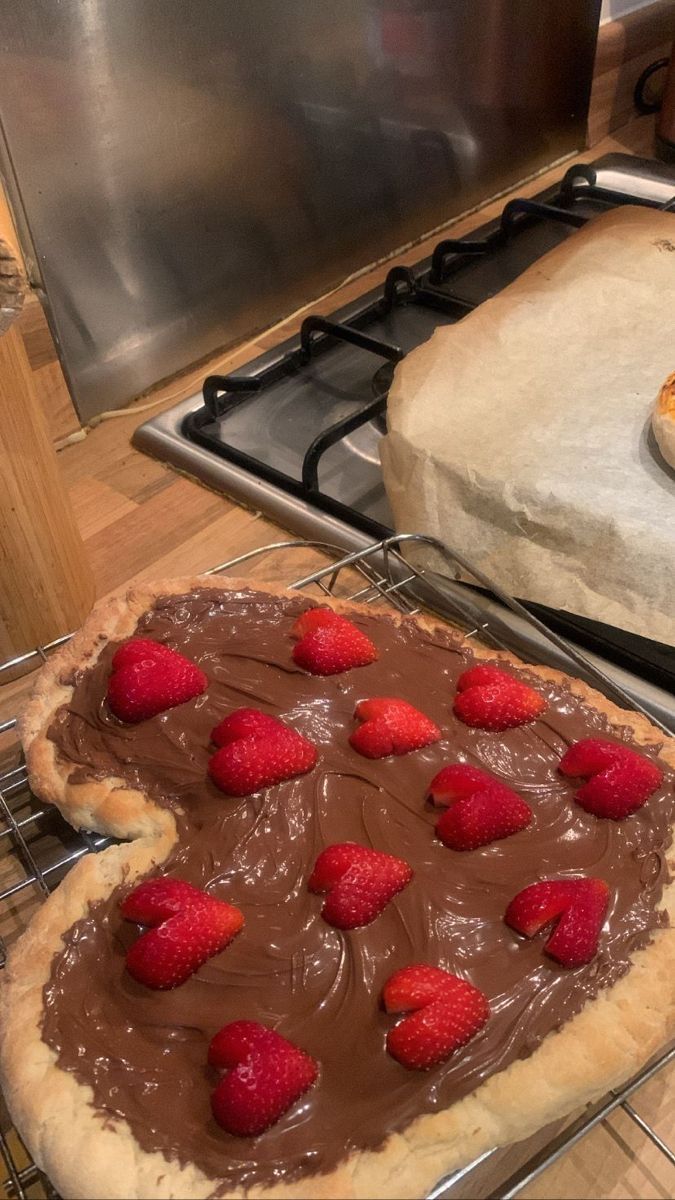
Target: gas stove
[295, 432]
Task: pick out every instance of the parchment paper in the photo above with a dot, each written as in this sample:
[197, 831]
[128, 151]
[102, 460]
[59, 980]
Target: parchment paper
[521, 435]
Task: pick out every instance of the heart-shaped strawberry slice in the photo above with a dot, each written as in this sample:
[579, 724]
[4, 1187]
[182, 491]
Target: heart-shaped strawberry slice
[454, 783]
[315, 618]
[620, 780]
[148, 678]
[577, 905]
[141, 650]
[489, 698]
[329, 643]
[391, 726]
[155, 900]
[257, 751]
[359, 881]
[266, 1074]
[187, 927]
[446, 1013]
[481, 809]
[245, 722]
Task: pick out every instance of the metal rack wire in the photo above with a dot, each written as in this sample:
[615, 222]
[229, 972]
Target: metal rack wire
[42, 847]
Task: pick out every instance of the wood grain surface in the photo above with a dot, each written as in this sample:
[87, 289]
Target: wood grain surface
[625, 47]
[41, 550]
[48, 378]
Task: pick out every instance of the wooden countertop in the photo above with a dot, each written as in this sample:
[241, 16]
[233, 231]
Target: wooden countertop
[139, 520]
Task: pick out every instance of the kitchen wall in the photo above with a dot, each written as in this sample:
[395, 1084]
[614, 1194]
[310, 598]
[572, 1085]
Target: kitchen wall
[186, 174]
[613, 9]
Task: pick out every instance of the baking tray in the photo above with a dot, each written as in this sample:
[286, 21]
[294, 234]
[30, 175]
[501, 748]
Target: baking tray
[37, 847]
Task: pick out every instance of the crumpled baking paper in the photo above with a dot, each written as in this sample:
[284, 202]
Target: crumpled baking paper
[521, 435]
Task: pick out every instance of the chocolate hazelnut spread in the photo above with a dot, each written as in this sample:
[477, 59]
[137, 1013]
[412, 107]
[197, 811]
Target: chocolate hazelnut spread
[143, 1052]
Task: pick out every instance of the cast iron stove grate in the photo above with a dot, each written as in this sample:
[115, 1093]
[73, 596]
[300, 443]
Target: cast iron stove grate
[306, 419]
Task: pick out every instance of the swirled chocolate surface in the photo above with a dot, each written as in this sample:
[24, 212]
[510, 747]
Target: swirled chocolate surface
[144, 1052]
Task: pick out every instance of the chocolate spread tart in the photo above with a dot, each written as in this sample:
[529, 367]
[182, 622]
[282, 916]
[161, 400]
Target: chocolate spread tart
[107, 1080]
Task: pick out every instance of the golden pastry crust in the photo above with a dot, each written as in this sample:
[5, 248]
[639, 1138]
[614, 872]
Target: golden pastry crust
[88, 1156]
[663, 420]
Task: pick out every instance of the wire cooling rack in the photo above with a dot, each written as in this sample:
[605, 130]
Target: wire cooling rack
[37, 847]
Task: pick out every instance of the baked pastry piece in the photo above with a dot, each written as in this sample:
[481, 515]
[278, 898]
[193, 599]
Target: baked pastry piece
[107, 1080]
[663, 420]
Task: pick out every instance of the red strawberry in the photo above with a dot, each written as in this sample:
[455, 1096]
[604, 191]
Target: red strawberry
[252, 763]
[578, 906]
[447, 1013]
[334, 862]
[266, 1075]
[484, 675]
[590, 755]
[412, 987]
[619, 779]
[330, 643]
[391, 726]
[488, 698]
[455, 782]
[148, 678]
[620, 790]
[483, 811]
[245, 722]
[239, 1039]
[168, 955]
[155, 900]
[360, 883]
[539, 904]
[140, 650]
[315, 618]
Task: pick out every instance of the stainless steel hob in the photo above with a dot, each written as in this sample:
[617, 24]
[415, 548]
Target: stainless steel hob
[295, 432]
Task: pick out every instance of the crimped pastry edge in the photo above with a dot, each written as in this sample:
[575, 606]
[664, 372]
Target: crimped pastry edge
[87, 1156]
